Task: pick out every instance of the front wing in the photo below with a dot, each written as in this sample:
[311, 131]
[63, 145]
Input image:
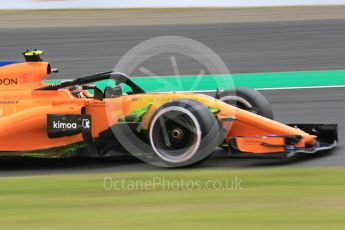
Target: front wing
[286, 146]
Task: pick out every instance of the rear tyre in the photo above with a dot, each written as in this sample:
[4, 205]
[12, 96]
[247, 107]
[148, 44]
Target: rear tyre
[249, 100]
[183, 132]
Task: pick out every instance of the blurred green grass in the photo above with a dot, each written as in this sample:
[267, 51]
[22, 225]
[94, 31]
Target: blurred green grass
[276, 198]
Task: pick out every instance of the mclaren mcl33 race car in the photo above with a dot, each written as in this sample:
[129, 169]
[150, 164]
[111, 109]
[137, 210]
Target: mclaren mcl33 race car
[78, 118]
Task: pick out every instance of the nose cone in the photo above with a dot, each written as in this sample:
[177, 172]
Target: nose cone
[310, 139]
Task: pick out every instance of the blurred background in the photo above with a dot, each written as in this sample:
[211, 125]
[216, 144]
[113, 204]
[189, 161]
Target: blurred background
[63, 4]
[292, 51]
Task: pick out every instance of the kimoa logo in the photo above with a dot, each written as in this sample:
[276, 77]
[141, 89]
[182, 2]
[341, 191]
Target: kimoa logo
[64, 125]
[8, 81]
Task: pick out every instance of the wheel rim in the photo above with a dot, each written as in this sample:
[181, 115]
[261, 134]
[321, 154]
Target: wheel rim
[175, 134]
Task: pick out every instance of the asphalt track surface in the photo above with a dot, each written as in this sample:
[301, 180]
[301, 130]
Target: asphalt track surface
[245, 47]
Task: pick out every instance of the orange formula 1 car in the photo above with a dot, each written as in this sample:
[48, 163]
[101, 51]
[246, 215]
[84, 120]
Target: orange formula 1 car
[76, 118]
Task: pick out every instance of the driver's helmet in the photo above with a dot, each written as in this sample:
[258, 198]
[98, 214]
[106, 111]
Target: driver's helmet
[77, 91]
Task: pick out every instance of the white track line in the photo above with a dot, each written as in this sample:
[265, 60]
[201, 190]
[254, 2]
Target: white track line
[271, 89]
[304, 87]
[268, 89]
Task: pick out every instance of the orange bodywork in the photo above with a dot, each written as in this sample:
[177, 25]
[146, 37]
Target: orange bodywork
[23, 113]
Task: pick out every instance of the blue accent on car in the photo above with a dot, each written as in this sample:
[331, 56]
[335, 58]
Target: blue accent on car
[4, 63]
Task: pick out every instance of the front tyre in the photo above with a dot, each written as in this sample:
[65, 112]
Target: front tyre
[249, 100]
[183, 132]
